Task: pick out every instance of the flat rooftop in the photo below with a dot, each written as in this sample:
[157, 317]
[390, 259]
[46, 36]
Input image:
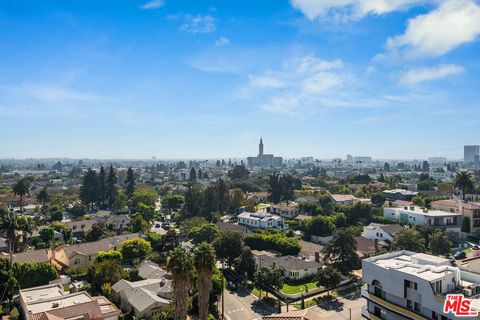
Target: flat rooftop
[426, 212]
[421, 265]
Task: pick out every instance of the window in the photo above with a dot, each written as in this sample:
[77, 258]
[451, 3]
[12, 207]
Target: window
[438, 286]
[434, 315]
[416, 306]
[411, 284]
[77, 261]
[409, 304]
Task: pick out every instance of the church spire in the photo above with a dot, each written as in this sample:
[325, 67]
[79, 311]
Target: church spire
[260, 147]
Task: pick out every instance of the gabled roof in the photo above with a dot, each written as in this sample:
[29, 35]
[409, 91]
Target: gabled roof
[92, 248]
[35, 256]
[392, 229]
[288, 262]
[231, 227]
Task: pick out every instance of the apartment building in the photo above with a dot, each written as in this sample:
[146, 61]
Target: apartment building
[448, 221]
[469, 210]
[407, 285]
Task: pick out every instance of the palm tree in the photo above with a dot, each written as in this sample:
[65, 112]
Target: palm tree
[180, 265]
[9, 224]
[21, 188]
[464, 181]
[27, 226]
[42, 196]
[204, 260]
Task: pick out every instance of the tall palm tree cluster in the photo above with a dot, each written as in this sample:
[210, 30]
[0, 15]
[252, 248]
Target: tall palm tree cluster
[182, 264]
[21, 188]
[10, 223]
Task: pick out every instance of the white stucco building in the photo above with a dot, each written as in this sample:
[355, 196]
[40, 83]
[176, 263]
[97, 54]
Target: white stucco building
[407, 285]
[261, 220]
[448, 221]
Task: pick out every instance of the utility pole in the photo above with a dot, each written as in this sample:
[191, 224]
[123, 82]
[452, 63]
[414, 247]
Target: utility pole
[223, 296]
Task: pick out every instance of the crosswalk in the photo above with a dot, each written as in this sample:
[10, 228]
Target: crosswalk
[235, 310]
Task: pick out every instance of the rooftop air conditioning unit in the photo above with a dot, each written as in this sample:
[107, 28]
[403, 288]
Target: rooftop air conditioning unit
[467, 292]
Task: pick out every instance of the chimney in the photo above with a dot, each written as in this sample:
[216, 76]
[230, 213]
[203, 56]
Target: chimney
[376, 244]
[317, 256]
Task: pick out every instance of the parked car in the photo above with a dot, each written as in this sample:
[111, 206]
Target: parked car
[460, 255]
[231, 286]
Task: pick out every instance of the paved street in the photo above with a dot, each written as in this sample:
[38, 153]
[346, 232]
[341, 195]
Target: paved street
[340, 310]
[242, 305]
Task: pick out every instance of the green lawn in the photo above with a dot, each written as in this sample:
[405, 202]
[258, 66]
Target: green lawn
[289, 289]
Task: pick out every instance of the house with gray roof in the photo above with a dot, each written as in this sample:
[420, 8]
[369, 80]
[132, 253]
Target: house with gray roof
[292, 267]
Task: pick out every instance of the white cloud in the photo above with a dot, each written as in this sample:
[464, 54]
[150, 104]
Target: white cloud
[425, 74]
[222, 41]
[453, 23]
[198, 24]
[152, 5]
[302, 82]
[351, 9]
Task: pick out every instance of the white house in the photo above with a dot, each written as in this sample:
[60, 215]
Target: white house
[376, 231]
[261, 220]
[448, 221]
[407, 285]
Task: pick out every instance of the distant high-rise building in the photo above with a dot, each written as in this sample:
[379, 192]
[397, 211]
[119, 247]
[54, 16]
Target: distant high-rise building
[264, 160]
[349, 158]
[471, 154]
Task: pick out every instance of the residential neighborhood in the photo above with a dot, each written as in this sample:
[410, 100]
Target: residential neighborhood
[239, 160]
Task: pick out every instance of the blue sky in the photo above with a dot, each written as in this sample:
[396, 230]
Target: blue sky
[206, 79]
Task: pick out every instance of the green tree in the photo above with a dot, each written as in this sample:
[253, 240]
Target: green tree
[206, 233]
[27, 226]
[270, 279]
[9, 225]
[180, 265]
[204, 261]
[378, 199]
[46, 234]
[135, 248]
[228, 246]
[320, 226]
[245, 263]
[106, 271]
[329, 278]
[466, 224]
[21, 188]
[89, 189]
[139, 224]
[409, 239]
[341, 253]
[439, 243]
[78, 210]
[238, 198]
[464, 181]
[97, 231]
[109, 255]
[102, 186]
[14, 314]
[42, 196]
[110, 187]
[173, 202]
[8, 279]
[193, 175]
[44, 273]
[130, 183]
[222, 196]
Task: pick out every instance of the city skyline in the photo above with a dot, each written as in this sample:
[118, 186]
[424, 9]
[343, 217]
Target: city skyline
[205, 80]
